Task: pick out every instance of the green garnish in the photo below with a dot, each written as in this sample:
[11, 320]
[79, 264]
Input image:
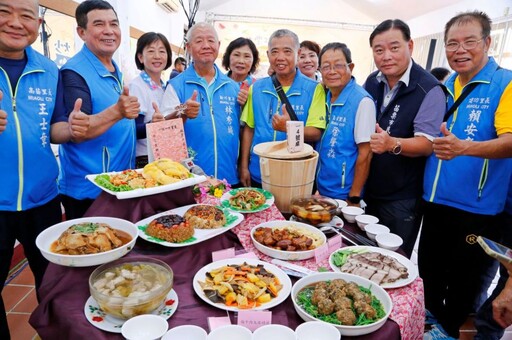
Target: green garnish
[339, 258]
[104, 181]
[85, 228]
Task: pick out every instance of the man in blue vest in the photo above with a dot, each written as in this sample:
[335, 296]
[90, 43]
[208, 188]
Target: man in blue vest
[93, 76]
[410, 107]
[32, 115]
[265, 122]
[211, 119]
[467, 177]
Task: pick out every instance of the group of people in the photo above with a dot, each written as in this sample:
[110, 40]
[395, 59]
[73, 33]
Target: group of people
[413, 149]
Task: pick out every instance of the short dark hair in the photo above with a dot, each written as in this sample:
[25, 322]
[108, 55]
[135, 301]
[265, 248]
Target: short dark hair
[89, 5]
[240, 42]
[311, 45]
[440, 72]
[336, 46]
[389, 24]
[463, 18]
[147, 39]
[180, 60]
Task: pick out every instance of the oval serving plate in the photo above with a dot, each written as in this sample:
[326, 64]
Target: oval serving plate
[289, 255]
[232, 220]
[411, 268]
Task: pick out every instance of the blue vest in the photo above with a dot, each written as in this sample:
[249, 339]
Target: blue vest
[214, 135]
[473, 184]
[112, 151]
[337, 149]
[396, 177]
[28, 167]
[266, 102]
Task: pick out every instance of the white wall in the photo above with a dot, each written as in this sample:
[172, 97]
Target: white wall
[433, 22]
[146, 16]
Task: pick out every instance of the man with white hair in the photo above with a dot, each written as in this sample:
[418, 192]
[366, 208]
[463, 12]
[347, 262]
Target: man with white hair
[264, 114]
[211, 117]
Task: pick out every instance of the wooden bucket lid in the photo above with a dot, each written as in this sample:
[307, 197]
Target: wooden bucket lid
[279, 150]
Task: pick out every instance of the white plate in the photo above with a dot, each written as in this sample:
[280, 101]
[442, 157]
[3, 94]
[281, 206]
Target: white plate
[283, 278]
[232, 220]
[224, 200]
[147, 191]
[99, 319]
[411, 268]
[288, 255]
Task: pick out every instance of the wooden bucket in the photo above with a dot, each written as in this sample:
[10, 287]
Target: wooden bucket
[289, 177]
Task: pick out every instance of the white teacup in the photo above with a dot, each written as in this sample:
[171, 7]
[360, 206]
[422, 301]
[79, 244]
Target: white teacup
[188, 332]
[317, 330]
[274, 332]
[230, 332]
[144, 327]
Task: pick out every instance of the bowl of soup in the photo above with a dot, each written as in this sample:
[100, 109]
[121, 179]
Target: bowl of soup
[313, 209]
[132, 286]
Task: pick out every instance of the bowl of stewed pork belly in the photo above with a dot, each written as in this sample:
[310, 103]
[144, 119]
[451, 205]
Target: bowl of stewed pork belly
[287, 240]
[87, 241]
[131, 286]
[352, 304]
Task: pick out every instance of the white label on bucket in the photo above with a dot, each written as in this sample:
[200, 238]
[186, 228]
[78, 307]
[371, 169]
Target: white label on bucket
[295, 135]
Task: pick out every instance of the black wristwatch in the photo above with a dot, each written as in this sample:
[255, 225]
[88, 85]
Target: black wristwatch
[354, 199]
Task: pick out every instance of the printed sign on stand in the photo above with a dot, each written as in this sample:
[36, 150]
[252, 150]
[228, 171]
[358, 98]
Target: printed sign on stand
[166, 140]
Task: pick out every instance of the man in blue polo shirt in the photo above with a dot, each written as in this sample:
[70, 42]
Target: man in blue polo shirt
[212, 114]
[93, 76]
[31, 116]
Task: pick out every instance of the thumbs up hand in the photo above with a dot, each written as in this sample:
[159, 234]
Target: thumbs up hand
[193, 106]
[79, 122]
[3, 115]
[448, 146]
[381, 141]
[279, 121]
[127, 105]
[157, 115]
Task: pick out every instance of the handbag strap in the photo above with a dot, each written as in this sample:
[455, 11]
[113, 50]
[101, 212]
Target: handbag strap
[283, 98]
[459, 100]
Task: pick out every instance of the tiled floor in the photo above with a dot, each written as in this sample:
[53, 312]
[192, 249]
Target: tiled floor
[20, 300]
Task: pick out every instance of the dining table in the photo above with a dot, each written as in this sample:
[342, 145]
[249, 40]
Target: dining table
[65, 290]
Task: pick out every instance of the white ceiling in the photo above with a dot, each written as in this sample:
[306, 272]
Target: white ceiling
[377, 10]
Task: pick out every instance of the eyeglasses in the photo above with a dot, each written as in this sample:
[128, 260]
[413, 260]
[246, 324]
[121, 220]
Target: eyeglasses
[467, 45]
[335, 67]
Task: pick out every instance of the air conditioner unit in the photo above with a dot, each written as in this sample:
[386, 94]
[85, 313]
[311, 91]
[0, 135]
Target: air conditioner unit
[170, 6]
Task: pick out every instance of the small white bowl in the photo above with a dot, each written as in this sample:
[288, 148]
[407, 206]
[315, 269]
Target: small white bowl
[189, 332]
[364, 219]
[312, 330]
[230, 332]
[274, 332]
[341, 204]
[144, 327]
[350, 213]
[389, 241]
[374, 229]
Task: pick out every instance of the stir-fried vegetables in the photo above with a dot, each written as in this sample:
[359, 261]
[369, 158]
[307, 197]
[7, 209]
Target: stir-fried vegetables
[244, 286]
[247, 199]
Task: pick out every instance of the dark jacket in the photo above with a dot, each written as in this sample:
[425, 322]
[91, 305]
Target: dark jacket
[395, 177]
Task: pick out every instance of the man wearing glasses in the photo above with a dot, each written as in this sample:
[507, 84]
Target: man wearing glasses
[410, 107]
[467, 177]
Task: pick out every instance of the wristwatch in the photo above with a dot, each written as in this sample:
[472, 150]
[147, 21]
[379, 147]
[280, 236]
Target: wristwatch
[397, 149]
[354, 199]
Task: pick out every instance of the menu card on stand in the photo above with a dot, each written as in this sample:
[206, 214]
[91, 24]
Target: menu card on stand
[166, 140]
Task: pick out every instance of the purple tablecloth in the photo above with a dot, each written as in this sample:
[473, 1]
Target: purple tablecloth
[60, 314]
